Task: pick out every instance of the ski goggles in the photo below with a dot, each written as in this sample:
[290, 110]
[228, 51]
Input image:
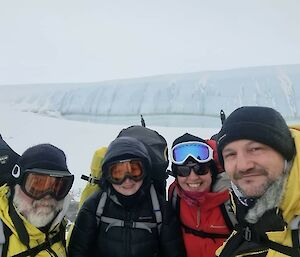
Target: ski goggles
[119, 171]
[201, 152]
[185, 170]
[37, 183]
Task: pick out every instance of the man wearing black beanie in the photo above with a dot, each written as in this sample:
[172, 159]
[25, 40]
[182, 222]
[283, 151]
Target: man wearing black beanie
[34, 204]
[259, 154]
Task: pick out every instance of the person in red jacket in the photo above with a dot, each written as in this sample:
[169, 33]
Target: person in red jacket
[200, 195]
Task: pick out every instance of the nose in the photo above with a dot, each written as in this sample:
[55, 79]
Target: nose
[47, 197]
[243, 162]
[127, 180]
[193, 175]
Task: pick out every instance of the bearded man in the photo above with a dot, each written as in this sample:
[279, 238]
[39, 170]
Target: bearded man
[32, 212]
[260, 154]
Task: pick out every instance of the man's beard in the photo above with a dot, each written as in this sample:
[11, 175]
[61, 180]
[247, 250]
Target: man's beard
[40, 212]
[258, 190]
[269, 200]
[272, 196]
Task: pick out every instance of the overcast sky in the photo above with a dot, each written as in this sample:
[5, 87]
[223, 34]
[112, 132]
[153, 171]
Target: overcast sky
[46, 41]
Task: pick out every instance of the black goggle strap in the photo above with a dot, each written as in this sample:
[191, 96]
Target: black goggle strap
[18, 223]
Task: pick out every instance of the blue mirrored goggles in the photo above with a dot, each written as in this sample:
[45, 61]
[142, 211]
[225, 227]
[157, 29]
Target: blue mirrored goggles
[199, 151]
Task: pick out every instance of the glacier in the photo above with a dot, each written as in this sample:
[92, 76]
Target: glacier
[189, 99]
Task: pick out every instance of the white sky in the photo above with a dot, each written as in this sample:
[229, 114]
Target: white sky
[94, 40]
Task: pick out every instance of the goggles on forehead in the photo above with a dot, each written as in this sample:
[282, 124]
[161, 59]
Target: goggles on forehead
[201, 152]
[185, 170]
[119, 171]
[37, 183]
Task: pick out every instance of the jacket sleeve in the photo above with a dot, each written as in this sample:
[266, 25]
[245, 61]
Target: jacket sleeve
[84, 234]
[171, 241]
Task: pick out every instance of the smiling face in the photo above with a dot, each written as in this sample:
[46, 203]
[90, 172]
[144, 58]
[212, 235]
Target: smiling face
[194, 182]
[252, 166]
[128, 187]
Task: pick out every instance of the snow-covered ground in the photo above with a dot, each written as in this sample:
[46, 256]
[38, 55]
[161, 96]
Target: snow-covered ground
[78, 139]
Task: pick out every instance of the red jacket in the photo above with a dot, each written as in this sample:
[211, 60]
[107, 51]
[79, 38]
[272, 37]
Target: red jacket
[205, 215]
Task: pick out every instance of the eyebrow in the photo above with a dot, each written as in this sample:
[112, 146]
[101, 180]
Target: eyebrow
[227, 150]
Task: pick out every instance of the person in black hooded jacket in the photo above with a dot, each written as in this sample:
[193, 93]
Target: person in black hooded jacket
[129, 225]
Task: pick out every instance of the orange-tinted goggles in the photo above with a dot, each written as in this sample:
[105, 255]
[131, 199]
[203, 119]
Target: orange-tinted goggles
[39, 183]
[119, 171]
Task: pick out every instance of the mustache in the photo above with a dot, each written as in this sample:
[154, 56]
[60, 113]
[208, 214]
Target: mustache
[258, 171]
[44, 202]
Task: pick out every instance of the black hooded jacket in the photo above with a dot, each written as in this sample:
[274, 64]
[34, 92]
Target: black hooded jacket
[90, 240]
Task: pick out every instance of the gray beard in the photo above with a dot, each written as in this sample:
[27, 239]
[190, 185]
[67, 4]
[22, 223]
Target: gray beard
[270, 199]
[29, 211]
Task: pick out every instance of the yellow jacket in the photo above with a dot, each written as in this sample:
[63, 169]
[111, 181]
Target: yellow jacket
[90, 188]
[290, 203]
[96, 172]
[36, 236]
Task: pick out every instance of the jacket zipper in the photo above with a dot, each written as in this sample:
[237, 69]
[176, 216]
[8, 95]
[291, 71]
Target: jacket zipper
[127, 236]
[198, 217]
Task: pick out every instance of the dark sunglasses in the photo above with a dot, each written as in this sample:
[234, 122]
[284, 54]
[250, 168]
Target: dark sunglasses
[185, 170]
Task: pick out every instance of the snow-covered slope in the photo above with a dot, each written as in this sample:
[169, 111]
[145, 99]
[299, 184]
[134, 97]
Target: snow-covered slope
[192, 99]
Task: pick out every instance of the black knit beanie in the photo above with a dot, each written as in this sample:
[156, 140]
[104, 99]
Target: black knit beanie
[43, 156]
[187, 138]
[261, 124]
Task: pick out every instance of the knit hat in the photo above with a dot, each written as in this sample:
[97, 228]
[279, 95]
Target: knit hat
[191, 138]
[261, 124]
[42, 156]
[187, 138]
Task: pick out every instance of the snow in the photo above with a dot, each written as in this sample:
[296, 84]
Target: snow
[77, 139]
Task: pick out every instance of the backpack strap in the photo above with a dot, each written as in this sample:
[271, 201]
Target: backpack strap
[7, 233]
[35, 250]
[225, 208]
[91, 179]
[131, 224]
[200, 233]
[174, 198]
[156, 207]
[24, 236]
[2, 238]
[293, 251]
[228, 214]
[295, 227]
[100, 207]
[246, 234]
[19, 225]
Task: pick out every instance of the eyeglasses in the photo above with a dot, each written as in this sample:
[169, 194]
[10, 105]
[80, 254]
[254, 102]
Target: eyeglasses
[201, 152]
[185, 170]
[119, 171]
[37, 183]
